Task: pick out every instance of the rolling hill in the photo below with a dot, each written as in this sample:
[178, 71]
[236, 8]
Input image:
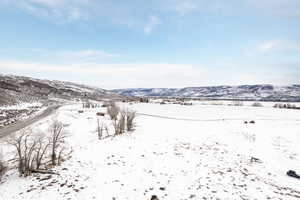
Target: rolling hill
[16, 89]
[263, 92]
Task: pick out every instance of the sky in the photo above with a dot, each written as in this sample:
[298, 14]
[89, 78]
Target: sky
[152, 43]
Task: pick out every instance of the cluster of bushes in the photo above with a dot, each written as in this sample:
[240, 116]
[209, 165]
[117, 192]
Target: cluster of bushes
[257, 104]
[144, 100]
[286, 105]
[121, 121]
[89, 105]
[236, 103]
[34, 153]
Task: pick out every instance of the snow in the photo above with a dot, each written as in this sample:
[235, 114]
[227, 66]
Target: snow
[246, 92]
[203, 153]
[21, 106]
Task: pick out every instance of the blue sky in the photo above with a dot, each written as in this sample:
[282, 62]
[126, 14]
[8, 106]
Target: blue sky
[153, 43]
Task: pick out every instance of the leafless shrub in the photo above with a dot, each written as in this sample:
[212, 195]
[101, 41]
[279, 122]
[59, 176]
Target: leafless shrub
[2, 167]
[113, 111]
[104, 105]
[257, 104]
[108, 103]
[130, 116]
[237, 103]
[285, 105]
[40, 151]
[31, 149]
[89, 104]
[100, 129]
[86, 104]
[56, 139]
[278, 105]
[248, 136]
[60, 158]
[25, 147]
[119, 124]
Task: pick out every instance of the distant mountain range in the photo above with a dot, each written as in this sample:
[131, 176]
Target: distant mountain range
[262, 92]
[16, 89]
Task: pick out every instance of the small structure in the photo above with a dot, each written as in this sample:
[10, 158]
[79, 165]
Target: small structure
[102, 114]
[144, 100]
[253, 159]
[293, 174]
[186, 104]
[154, 197]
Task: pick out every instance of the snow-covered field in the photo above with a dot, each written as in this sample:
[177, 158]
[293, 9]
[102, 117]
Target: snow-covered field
[176, 152]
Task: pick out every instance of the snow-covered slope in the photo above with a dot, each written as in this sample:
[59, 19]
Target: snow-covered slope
[243, 92]
[15, 89]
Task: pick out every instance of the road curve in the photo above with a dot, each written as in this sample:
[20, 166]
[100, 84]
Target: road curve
[22, 124]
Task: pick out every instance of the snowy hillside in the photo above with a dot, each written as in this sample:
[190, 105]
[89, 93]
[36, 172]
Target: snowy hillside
[16, 89]
[242, 92]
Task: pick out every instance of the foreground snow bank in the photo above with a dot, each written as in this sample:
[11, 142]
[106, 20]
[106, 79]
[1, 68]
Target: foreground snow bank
[173, 159]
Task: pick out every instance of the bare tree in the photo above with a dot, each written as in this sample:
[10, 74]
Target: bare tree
[56, 139]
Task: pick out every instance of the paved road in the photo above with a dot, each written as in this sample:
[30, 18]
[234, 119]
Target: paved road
[22, 124]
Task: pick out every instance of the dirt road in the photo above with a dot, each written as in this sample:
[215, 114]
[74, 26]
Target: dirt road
[22, 124]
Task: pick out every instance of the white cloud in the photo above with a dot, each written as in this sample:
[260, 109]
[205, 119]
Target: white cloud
[133, 14]
[58, 11]
[278, 46]
[115, 75]
[185, 6]
[73, 10]
[102, 69]
[49, 3]
[269, 46]
[153, 22]
[111, 76]
[37, 50]
[75, 14]
[71, 56]
[280, 8]
[86, 54]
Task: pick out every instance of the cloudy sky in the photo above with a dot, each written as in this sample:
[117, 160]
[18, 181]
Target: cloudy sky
[152, 43]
